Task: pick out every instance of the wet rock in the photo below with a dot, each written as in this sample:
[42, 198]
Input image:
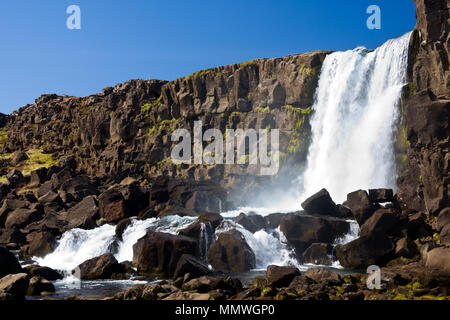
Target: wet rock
[251, 222]
[172, 210]
[38, 286]
[121, 227]
[231, 253]
[210, 217]
[320, 203]
[158, 253]
[365, 251]
[190, 264]
[361, 206]
[273, 220]
[44, 272]
[318, 253]
[14, 286]
[102, 267]
[301, 231]
[8, 263]
[381, 195]
[279, 277]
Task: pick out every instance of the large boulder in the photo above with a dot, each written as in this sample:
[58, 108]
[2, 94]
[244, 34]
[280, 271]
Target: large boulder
[439, 259]
[278, 277]
[320, 203]
[383, 221]
[22, 217]
[231, 253]
[417, 227]
[159, 253]
[365, 251]
[320, 275]
[361, 206]
[41, 243]
[8, 263]
[318, 253]
[14, 286]
[44, 272]
[381, 195]
[8, 206]
[102, 267]
[301, 231]
[83, 215]
[192, 265]
[11, 236]
[39, 285]
[112, 205]
[251, 222]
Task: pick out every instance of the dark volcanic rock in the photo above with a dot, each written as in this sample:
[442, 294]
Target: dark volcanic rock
[231, 253]
[210, 217]
[208, 283]
[14, 286]
[251, 222]
[361, 206]
[14, 177]
[383, 222]
[190, 264]
[22, 217]
[39, 285]
[319, 275]
[102, 267]
[44, 272]
[8, 263]
[318, 253]
[381, 195]
[279, 277]
[83, 215]
[320, 203]
[273, 220]
[41, 244]
[159, 253]
[302, 231]
[112, 206]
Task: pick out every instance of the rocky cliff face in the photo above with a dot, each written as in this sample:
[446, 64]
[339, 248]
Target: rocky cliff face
[424, 186]
[125, 130]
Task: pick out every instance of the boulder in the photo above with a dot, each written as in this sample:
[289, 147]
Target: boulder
[381, 195]
[102, 267]
[301, 231]
[78, 187]
[121, 227]
[192, 265]
[443, 219]
[14, 286]
[207, 283]
[383, 221]
[210, 217]
[439, 258]
[83, 215]
[9, 205]
[300, 284]
[320, 275]
[8, 236]
[320, 203]
[251, 222]
[159, 253]
[44, 272]
[344, 212]
[365, 251]
[444, 236]
[318, 253]
[68, 162]
[280, 277]
[45, 188]
[417, 226]
[231, 253]
[22, 217]
[136, 198]
[38, 286]
[52, 222]
[60, 177]
[273, 220]
[404, 247]
[41, 243]
[8, 263]
[361, 206]
[112, 206]
[14, 177]
[51, 202]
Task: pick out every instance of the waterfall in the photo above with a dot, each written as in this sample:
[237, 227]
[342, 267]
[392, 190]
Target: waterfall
[354, 120]
[355, 115]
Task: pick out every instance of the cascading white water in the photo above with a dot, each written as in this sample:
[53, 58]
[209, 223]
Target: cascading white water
[354, 119]
[352, 127]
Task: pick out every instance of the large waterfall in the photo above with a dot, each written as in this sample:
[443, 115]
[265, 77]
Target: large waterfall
[353, 125]
[354, 120]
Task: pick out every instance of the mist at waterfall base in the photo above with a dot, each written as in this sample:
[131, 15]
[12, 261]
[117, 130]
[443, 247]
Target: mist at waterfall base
[354, 121]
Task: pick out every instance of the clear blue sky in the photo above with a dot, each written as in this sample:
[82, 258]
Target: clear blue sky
[122, 40]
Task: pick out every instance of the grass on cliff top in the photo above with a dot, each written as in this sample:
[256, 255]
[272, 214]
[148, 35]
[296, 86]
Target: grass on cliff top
[37, 159]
